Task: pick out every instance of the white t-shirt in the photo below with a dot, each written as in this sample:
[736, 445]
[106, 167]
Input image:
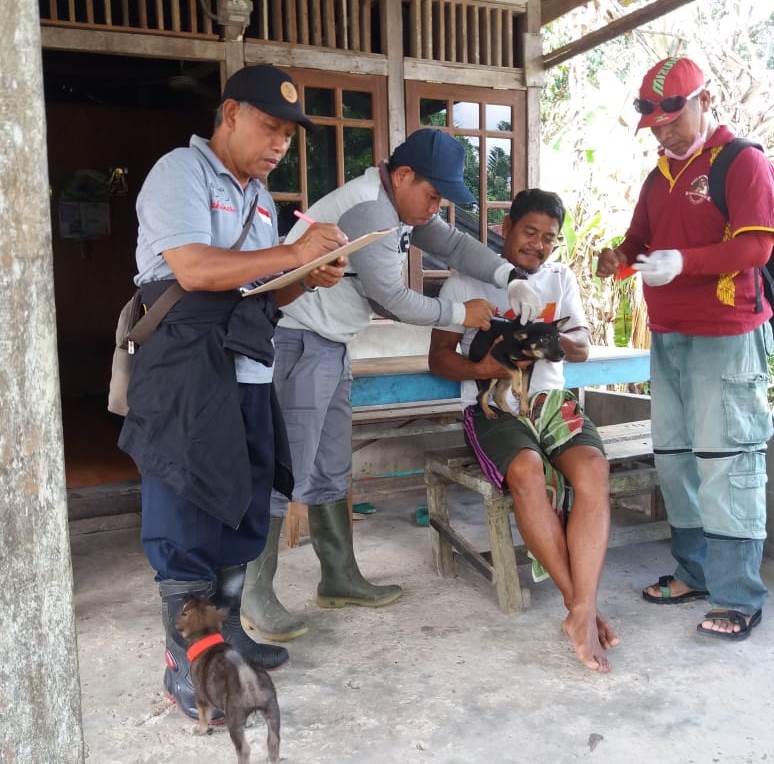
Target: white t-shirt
[557, 286]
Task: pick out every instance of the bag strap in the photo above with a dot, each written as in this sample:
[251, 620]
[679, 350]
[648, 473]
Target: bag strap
[719, 170]
[148, 324]
[246, 227]
[717, 192]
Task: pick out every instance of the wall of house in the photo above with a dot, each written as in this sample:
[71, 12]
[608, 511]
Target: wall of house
[93, 278]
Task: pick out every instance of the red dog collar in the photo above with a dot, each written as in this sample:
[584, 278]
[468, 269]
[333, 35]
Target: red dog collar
[197, 648]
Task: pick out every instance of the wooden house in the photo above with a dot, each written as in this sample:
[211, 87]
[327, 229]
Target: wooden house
[127, 80]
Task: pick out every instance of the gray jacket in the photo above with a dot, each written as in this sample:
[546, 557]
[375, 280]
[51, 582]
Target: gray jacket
[364, 205]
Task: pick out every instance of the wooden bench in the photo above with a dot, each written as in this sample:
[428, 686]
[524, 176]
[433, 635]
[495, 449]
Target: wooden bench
[632, 473]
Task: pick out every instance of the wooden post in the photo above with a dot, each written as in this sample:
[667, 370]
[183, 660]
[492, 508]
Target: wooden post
[290, 18]
[509, 594]
[365, 26]
[415, 30]
[235, 60]
[392, 23]
[354, 25]
[276, 16]
[474, 41]
[40, 695]
[427, 29]
[451, 33]
[175, 6]
[330, 24]
[462, 34]
[438, 509]
[316, 23]
[533, 76]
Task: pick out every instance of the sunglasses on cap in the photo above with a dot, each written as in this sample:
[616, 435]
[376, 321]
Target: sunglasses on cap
[668, 105]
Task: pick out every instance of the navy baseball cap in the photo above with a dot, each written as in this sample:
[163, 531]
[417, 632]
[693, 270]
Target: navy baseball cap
[268, 89]
[438, 158]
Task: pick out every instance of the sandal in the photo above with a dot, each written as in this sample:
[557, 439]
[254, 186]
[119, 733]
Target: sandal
[734, 617]
[667, 598]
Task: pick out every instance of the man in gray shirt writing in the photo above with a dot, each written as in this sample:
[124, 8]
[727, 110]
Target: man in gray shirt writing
[313, 375]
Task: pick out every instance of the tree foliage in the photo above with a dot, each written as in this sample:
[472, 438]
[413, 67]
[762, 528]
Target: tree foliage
[591, 155]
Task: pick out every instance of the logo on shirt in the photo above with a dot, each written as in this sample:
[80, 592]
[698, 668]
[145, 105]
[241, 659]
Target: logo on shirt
[698, 191]
[219, 199]
[263, 215]
[405, 240]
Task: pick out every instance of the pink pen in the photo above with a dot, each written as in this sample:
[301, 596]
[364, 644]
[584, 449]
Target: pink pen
[303, 216]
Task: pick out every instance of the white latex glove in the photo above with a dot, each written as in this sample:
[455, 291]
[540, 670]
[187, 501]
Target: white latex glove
[524, 300]
[659, 267]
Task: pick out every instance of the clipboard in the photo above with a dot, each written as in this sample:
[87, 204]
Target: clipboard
[298, 273]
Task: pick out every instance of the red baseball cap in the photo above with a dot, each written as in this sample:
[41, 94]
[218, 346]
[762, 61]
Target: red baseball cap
[667, 79]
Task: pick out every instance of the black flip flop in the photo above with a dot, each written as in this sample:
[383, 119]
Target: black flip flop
[734, 617]
[667, 598]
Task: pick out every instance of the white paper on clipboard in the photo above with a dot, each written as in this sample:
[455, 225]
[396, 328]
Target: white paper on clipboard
[298, 273]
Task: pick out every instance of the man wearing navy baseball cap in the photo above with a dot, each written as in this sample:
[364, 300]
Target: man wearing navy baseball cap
[269, 89]
[439, 159]
[405, 194]
[203, 426]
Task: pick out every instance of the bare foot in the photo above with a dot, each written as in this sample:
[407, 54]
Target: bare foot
[607, 636]
[581, 627]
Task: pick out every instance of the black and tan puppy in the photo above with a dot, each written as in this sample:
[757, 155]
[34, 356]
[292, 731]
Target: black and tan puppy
[517, 352]
[223, 679]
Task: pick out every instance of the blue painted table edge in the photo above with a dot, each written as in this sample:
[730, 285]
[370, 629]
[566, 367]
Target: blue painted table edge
[416, 387]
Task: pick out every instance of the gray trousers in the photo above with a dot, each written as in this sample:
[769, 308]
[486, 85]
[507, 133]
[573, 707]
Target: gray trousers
[313, 383]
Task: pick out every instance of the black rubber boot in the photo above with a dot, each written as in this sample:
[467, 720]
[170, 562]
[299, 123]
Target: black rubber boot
[261, 610]
[341, 582]
[177, 677]
[228, 594]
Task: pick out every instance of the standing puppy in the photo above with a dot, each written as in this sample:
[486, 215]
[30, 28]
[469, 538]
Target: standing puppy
[222, 678]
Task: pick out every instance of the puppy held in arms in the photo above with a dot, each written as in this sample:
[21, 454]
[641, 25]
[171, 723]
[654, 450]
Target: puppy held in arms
[223, 679]
[517, 352]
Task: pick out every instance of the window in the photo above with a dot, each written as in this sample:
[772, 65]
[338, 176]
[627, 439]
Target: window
[490, 124]
[350, 112]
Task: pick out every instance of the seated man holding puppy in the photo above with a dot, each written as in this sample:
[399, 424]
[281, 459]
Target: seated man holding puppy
[550, 438]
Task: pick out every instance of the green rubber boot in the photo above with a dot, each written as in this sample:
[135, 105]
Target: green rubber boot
[261, 611]
[342, 583]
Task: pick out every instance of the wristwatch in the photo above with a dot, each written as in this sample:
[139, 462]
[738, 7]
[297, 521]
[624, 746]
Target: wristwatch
[308, 288]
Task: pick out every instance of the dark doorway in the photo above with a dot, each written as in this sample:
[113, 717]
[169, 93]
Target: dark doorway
[109, 118]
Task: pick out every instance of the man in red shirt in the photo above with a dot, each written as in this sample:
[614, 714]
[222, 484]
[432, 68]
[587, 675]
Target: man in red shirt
[711, 339]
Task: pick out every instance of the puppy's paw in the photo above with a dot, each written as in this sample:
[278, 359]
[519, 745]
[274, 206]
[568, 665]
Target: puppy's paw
[199, 730]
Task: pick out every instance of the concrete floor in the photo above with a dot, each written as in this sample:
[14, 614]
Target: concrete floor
[440, 676]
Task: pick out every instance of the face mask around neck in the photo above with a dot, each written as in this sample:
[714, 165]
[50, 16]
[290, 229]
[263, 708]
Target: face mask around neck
[692, 149]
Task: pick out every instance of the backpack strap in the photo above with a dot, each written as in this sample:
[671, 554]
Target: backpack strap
[719, 170]
[717, 192]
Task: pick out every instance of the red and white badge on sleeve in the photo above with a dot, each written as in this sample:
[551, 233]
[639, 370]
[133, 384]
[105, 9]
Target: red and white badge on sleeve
[263, 215]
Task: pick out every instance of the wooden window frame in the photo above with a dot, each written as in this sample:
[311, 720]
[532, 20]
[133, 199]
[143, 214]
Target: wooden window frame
[517, 100]
[315, 78]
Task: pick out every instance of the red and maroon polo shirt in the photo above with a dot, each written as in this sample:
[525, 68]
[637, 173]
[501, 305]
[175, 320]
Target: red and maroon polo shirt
[675, 211]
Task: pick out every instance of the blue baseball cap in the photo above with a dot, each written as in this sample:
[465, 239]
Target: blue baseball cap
[438, 158]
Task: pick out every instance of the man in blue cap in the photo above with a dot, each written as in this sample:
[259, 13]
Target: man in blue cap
[313, 375]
